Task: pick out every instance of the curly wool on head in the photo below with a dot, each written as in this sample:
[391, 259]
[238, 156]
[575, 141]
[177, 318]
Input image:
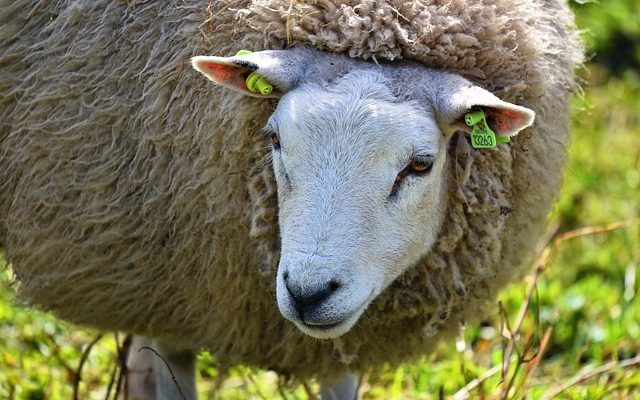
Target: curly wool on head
[134, 196]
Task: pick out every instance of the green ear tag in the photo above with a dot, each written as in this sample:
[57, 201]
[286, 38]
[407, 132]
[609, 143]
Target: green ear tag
[255, 82]
[503, 139]
[258, 83]
[482, 137]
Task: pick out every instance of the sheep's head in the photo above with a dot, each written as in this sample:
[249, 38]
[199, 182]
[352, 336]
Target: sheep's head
[359, 153]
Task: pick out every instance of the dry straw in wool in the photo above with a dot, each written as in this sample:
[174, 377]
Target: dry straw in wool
[135, 196]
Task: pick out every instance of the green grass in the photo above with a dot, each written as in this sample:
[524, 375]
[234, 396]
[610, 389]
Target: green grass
[587, 295]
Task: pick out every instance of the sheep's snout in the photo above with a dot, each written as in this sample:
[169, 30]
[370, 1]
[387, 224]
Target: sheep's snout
[322, 299]
[308, 300]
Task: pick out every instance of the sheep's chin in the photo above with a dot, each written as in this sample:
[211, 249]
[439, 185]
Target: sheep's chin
[332, 331]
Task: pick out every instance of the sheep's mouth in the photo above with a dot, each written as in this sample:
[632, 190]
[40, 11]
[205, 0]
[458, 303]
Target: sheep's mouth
[336, 328]
[329, 331]
[323, 326]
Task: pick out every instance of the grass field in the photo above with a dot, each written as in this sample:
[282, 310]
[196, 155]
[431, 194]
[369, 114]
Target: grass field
[581, 329]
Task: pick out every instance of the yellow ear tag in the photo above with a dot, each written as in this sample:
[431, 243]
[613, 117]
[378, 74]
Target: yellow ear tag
[255, 82]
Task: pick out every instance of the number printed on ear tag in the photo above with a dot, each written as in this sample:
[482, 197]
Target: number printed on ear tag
[482, 137]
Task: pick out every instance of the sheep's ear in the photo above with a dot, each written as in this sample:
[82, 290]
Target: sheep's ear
[504, 118]
[276, 71]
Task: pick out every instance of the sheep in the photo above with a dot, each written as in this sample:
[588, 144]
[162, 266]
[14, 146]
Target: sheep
[136, 197]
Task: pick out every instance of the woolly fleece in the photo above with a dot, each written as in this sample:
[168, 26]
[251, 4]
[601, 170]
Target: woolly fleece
[135, 196]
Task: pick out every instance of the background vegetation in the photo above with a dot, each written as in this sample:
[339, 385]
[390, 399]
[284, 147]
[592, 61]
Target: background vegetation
[579, 335]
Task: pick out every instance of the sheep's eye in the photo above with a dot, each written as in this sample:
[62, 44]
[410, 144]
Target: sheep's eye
[272, 134]
[275, 141]
[419, 165]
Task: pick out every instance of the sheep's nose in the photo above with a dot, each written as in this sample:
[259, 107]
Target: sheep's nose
[308, 299]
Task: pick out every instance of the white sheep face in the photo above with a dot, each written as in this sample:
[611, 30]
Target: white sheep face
[359, 181]
[359, 154]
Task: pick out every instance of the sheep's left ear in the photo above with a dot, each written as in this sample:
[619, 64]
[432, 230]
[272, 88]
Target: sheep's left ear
[280, 69]
[504, 118]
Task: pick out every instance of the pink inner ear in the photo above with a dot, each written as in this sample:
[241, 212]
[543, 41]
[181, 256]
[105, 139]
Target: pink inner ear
[219, 72]
[505, 121]
[226, 75]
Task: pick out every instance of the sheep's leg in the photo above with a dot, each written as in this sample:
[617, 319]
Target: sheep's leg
[344, 389]
[174, 373]
[140, 377]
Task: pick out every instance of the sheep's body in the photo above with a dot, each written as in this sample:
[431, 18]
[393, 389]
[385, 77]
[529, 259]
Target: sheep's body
[134, 196]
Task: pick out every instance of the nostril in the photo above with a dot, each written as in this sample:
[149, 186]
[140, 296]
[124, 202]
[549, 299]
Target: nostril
[292, 291]
[334, 285]
[285, 276]
[308, 298]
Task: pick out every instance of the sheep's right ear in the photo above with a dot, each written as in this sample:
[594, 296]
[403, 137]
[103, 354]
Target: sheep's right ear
[280, 69]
